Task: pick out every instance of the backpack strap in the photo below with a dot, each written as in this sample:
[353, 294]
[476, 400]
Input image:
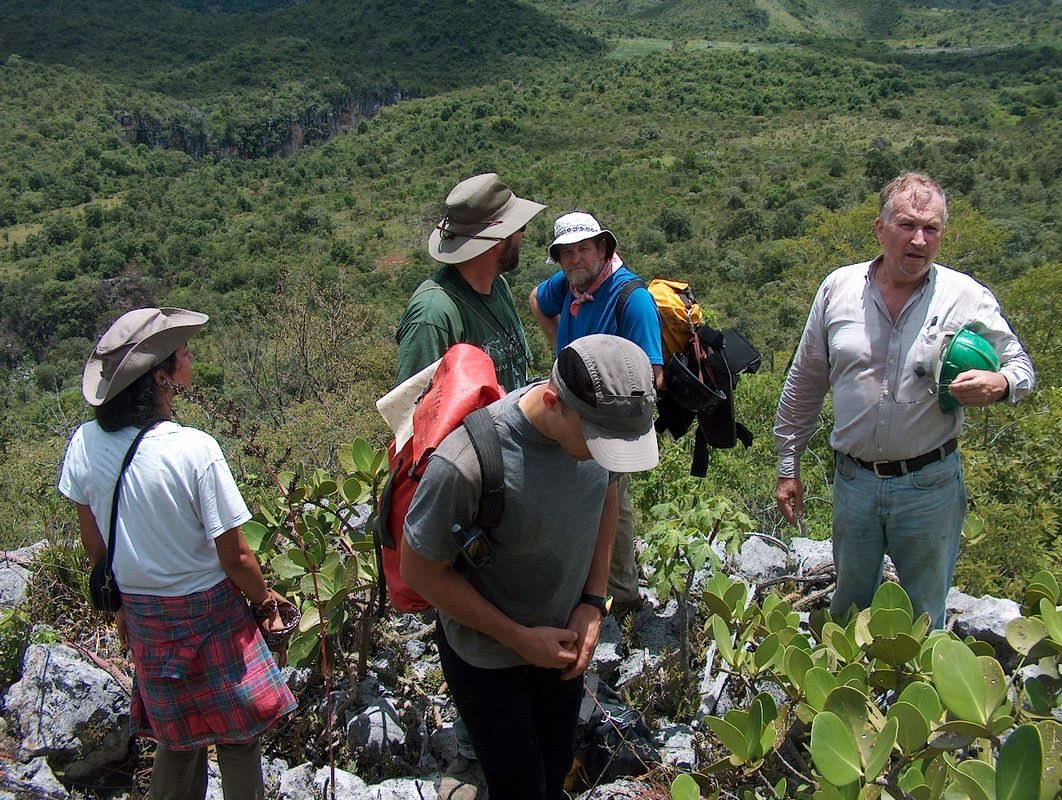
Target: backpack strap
[626, 290]
[485, 441]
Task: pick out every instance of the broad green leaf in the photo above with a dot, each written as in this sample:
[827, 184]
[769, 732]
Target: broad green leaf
[717, 605]
[892, 595]
[850, 705]
[913, 730]
[684, 787]
[332, 566]
[255, 533]
[363, 455]
[818, 684]
[796, 663]
[721, 634]
[923, 697]
[283, 566]
[995, 683]
[1052, 619]
[730, 736]
[768, 653]
[311, 618]
[1030, 605]
[833, 750]
[962, 730]
[882, 751]
[1046, 579]
[890, 622]
[354, 491]
[1019, 764]
[346, 458]
[303, 648]
[1051, 738]
[895, 650]
[977, 778]
[326, 488]
[847, 650]
[960, 682]
[736, 596]
[854, 675]
[323, 587]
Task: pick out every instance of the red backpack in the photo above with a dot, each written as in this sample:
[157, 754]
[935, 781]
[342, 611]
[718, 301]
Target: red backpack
[464, 381]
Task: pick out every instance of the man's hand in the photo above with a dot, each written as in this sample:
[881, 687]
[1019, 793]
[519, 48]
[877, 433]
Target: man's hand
[789, 494]
[586, 620]
[978, 387]
[551, 648]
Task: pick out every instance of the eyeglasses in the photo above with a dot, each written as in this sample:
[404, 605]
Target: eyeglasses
[474, 544]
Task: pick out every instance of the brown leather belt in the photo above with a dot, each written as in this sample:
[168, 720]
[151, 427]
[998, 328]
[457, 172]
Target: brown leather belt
[893, 469]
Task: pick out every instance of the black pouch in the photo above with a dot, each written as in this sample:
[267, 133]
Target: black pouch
[104, 593]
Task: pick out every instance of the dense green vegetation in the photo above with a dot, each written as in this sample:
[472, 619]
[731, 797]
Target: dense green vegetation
[749, 170]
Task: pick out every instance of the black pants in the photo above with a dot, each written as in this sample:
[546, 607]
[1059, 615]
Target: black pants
[521, 720]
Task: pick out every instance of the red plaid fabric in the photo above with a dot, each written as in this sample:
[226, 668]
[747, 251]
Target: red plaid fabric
[203, 673]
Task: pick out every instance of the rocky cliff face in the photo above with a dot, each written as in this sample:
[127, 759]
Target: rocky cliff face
[188, 130]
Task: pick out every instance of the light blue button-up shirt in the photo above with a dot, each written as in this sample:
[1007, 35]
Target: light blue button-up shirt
[881, 371]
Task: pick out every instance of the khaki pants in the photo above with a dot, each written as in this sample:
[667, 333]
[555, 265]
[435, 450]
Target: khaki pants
[623, 571]
[182, 774]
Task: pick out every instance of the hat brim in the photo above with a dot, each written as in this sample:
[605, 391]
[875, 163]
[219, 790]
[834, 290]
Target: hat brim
[141, 357]
[580, 236]
[622, 452]
[457, 248]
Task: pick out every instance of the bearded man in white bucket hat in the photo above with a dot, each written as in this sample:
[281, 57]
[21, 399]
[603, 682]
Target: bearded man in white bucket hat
[468, 298]
[595, 292]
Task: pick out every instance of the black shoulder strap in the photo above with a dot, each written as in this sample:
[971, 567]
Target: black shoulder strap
[485, 441]
[118, 487]
[626, 290]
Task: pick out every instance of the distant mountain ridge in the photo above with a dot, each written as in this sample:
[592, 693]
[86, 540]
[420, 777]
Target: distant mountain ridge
[251, 78]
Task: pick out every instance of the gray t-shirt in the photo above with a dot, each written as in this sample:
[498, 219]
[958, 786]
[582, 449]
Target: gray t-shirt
[544, 543]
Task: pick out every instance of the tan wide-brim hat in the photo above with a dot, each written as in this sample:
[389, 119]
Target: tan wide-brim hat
[135, 343]
[480, 212]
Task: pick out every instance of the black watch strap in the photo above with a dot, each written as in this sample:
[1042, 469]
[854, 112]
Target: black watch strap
[602, 604]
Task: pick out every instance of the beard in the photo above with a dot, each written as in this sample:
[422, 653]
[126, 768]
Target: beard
[510, 257]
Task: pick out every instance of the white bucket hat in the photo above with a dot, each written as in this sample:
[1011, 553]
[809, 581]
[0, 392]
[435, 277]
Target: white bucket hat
[575, 226]
[480, 212]
[136, 342]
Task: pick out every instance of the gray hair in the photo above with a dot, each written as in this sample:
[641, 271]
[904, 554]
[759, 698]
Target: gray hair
[921, 186]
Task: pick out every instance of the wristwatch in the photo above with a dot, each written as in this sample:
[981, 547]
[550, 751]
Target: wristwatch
[602, 604]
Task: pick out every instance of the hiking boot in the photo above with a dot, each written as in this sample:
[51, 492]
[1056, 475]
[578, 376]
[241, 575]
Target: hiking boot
[462, 780]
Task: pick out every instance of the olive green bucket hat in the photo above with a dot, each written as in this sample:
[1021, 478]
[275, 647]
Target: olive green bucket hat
[480, 212]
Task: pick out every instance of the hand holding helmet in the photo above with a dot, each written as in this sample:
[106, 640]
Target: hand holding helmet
[967, 371]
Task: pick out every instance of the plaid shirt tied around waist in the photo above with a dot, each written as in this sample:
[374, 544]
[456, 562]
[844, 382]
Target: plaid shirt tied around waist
[203, 672]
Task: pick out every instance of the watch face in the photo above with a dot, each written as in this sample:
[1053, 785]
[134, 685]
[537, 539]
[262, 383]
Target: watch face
[606, 607]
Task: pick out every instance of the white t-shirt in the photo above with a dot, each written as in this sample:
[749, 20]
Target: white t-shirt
[178, 495]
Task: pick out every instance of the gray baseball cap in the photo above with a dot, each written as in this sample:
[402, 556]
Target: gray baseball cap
[608, 381]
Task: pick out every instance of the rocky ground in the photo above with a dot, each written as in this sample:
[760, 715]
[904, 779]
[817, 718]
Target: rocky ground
[64, 723]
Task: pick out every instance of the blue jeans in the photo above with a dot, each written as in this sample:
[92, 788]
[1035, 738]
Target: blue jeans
[915, 518]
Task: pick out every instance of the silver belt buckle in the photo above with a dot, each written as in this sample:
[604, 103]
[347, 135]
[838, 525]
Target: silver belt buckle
[874, 466]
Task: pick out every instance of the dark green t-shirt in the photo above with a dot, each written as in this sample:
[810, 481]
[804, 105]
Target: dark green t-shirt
[445, 310]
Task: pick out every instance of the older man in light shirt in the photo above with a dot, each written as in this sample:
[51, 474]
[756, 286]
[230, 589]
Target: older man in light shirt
[870, 338]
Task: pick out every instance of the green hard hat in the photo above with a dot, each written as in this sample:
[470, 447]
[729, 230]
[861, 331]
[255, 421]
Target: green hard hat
[967, 349]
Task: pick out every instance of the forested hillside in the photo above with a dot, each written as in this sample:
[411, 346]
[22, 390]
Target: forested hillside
[739, 146]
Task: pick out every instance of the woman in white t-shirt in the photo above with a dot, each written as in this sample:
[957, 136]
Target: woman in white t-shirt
[203, 672]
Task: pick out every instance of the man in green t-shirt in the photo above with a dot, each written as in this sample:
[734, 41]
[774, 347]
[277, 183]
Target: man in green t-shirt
[468, 299]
